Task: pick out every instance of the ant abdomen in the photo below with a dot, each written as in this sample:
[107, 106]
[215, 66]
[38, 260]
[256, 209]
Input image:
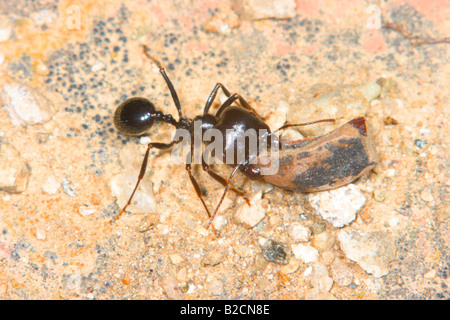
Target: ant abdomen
[134, 116]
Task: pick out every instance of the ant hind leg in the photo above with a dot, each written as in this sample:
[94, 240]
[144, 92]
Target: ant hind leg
[157, 145]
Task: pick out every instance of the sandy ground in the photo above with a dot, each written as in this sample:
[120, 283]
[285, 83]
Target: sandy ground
[80, 61]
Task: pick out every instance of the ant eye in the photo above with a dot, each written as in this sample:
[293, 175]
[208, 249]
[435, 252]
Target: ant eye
[134, 116]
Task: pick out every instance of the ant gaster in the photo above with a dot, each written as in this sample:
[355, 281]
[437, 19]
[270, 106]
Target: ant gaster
[137, 115]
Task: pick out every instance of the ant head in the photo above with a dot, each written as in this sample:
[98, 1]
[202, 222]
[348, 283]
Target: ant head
[134, 116]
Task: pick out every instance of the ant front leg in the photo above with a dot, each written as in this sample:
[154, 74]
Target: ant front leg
[236, 96]
[213, 94]
[227, 186]
[222, 180]
[193, 181]
[157, 145]
[232, 99]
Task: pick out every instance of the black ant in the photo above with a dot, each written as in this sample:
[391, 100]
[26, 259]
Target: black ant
[136, 115]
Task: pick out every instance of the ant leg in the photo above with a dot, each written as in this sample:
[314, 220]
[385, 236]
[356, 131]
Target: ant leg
[232, 99]
[222, 180]
[227, 186]
[157, 145]
[288, 125]
[194, 182]
[166, 78]
[213, 94]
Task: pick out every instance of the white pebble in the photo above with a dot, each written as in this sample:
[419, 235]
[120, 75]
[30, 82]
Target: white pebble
[373, 251]
[145, 140]
[86, 210]
[257, 9]
[299, 233]
[390, 172]
[14, 170]
[393, 221]
[51, 185]
[305, 253]
[320, 278]
[25, 105]
[5, 28]
[251, 215]
[98, 66]
[122, 186]
[219, 222]
[338, 206]
[371, 90]
[90, 296]
[40, 234]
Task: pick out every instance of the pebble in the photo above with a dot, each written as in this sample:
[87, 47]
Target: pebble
[261, 185]
[341, 273]
[201, 230]
[323, 241]
[74, 281]
[215, 287]
[251, 215]
[122, 186]
[264, 9]
[275, 251]
[69, 188]
[171, 289]
[305, 253]
[5, 28]
[442, 212]
[298, 232]
[90, 296]
[338, 206]
[379, 195]
[86, 210]
[14, 170]
[51, 185]
[25, 105]
[277, 118]
[430, 274]
[373, 251]
[426, 195]
[214, 257]
[98, 66]
[40, 234]
[327, 257]
[242, 250]
[176, 258]
[320, 279]
[371, 90]
[219, 222]
[41, 68]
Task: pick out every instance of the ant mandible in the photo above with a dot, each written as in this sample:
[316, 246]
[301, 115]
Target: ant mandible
[136, 115]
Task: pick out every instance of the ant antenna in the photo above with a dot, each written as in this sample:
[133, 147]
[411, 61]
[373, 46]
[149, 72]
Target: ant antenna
[166, 78]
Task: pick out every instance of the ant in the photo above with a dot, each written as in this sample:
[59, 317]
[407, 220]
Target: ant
[137, 115]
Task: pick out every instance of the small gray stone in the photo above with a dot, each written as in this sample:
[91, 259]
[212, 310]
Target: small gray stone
[275, 252]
